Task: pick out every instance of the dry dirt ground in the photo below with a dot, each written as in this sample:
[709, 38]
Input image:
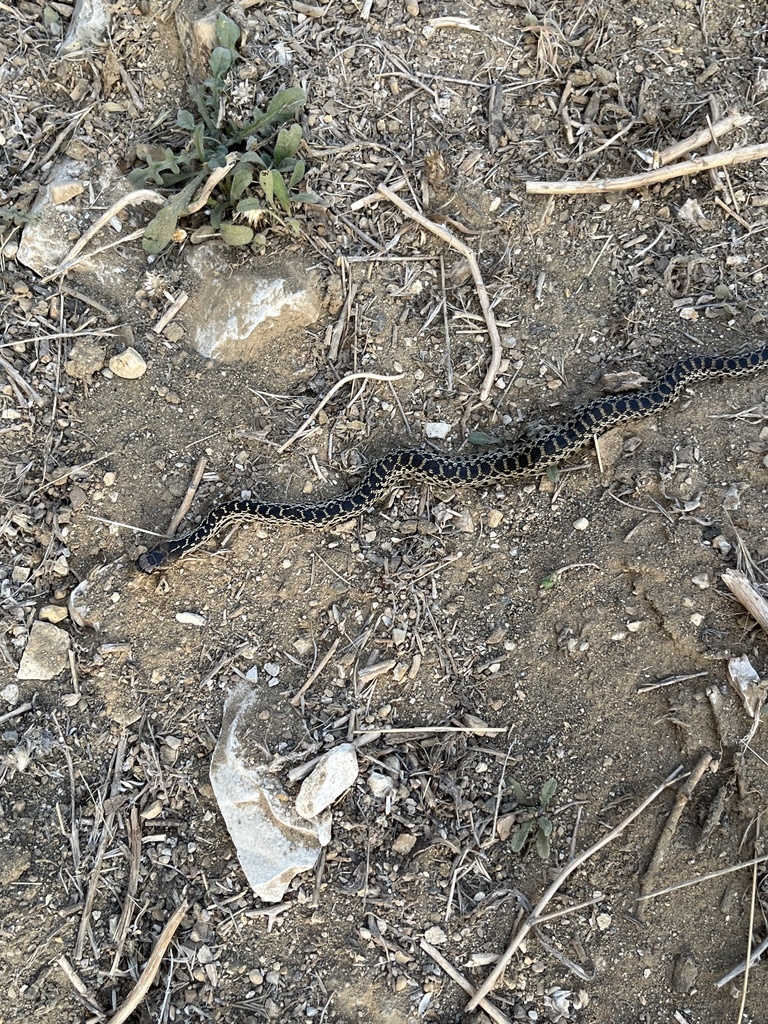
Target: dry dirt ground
[540, 608]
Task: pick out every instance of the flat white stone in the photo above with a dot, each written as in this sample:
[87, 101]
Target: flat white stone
[335, 772]
[273, 843]
[128, 364]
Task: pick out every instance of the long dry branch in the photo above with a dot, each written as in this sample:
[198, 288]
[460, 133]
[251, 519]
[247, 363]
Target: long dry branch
[567, 871]
[482, 292]
[728, 158]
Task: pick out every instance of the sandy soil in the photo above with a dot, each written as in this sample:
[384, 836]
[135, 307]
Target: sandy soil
[542, 609]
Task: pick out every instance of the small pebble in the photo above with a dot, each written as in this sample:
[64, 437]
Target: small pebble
[129, 364]
[701, 581]
[190, 619]
[437, 431]
[581, 524]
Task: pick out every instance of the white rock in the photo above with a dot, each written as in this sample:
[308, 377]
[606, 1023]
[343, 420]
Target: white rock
[379, 784]
[232, 312]
[128, 364]
[10, 694]
[273, 843]
[438, 431]
[333, 775]
[45, 655]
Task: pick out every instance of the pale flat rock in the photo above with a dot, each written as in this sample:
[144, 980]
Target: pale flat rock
[46, 653]
[49, 235]
[273, 843]
[335, 772]
[89, 24]
[232, 311]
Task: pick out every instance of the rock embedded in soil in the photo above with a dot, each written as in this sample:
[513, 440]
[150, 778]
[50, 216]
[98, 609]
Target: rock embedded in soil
[46, 653]
[273, 843]
[129, 364]
[232, 312]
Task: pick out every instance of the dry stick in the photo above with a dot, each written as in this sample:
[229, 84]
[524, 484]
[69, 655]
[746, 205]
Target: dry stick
[493, 1011]
[141, 195]
[170, 313]
[189, 497]
[296, 700]
[152, 966]
[757, 952]
[703, 136]
[338, 328]
[750, 926]
[684, 794]
[215, 177]
[739, 585]
[482, 293]
[704, 878]
[329, 396]
[106, 836]
[567, 871]
[729, 158]
[134, 844]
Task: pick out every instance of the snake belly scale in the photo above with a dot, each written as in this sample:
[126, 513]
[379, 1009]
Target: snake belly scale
[518, 459]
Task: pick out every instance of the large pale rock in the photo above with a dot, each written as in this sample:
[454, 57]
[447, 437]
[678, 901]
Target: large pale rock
[53, 227]
[273, 843]
[334, 773]
[46, 653]
[232, 311]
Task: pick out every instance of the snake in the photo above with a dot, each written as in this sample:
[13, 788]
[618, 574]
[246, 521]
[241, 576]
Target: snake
[520, 458]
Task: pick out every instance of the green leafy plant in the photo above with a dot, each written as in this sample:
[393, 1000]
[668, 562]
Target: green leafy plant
[258, 159]
[537, 828]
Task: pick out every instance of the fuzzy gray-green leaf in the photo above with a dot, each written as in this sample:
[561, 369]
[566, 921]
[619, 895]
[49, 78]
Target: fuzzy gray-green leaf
[236, 234]
[287, 142]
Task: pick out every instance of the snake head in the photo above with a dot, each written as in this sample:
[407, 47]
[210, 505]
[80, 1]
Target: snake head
[153, 561]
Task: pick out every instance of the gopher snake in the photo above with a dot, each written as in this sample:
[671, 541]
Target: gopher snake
[521, 458]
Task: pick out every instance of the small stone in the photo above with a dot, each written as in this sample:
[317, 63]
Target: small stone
[435, 935]
[404, 843]
[380, 785]
[190, 619]
[63, 193]
[335, 772]
[437, 431]
[495, 518]
[46, 653]
[53, 613]
[399, 636]
[701, 581]
[581, 524]
[10, 694]
[128, 364]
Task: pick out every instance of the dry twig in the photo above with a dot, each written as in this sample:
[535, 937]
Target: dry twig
[482, 292]
[152, 965]
[189, 497]
[739, 585]
[683, 796]
[339, 384]
[493, 1011]
[704, 136]
[567, 871]
[728, 158]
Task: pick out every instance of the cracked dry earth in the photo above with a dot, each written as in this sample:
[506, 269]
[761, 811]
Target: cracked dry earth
[488, 640]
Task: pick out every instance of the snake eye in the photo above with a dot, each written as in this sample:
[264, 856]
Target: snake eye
[152, 561]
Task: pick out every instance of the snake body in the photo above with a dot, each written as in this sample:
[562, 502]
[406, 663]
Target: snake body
[521, 458]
